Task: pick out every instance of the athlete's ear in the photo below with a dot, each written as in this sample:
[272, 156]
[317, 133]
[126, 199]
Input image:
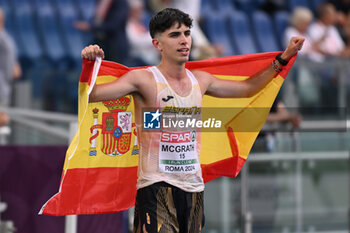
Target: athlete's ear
[156, 43]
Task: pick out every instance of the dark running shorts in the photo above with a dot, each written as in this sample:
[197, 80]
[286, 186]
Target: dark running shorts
[164, 208]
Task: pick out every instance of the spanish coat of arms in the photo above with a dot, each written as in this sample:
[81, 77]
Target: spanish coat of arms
[116, 128]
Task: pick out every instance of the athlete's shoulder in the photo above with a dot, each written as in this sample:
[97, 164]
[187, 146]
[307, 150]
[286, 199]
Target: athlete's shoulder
[201, 75]
[204, 79]
[140, 74]
[141, 77]
[139, 71]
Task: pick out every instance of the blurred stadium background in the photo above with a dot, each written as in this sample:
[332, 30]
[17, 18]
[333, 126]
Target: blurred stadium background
[302, 186]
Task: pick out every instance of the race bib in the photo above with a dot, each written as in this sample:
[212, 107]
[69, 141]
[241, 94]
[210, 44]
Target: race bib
[178, 152]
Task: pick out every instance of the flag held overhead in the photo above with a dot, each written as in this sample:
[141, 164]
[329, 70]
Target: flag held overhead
[100, 169]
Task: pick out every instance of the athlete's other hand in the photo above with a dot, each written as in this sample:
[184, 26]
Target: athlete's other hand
[91, 52]
[295, 44]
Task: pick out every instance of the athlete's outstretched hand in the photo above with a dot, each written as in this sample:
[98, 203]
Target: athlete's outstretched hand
[295, 44]
[91, 52]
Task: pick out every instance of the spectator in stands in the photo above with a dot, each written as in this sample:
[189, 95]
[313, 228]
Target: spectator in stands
[342, 7]
[326, 40]
[343, 19]
[109, 28]
[201, 44]
[142, 51]
[300, 20]
[4, 119]
[327, 44]
[9, 67]
[278, 114]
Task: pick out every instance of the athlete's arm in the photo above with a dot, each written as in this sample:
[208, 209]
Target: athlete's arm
[124, 85]
[238, 89]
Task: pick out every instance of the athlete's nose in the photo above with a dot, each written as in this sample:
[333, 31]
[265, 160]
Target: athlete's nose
[183, 39]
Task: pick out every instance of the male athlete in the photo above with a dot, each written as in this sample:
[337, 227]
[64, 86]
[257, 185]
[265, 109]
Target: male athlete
[168, 200]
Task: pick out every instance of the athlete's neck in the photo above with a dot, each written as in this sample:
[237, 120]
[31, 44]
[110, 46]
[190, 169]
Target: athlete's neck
[172, 71]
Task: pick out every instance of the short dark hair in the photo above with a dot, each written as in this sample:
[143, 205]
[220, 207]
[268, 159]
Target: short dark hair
[166, 18]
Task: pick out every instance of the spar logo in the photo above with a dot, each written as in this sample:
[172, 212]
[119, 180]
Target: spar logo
[151, 120]
[180, 143]
[178, 137]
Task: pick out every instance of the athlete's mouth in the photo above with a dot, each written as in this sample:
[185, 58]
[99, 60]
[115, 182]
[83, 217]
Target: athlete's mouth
[184, 51]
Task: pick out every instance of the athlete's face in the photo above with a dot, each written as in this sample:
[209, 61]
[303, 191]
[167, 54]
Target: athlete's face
[174, 43]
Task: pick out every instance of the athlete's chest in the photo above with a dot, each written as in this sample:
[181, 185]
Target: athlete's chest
[182, 87]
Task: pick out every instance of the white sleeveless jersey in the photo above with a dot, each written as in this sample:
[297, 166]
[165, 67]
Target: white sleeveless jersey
[171, 155]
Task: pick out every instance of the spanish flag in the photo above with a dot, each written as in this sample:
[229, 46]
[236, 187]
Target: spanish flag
[100, 169]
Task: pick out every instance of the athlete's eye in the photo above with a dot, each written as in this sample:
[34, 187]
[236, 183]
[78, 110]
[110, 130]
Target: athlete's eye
[174, 34]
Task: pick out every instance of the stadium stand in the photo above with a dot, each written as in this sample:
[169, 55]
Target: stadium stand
[281, 21]
[86, 8]
[224, 7]
[27, 33]
[73, 39]
[36, 25]
[206, 6]
[10, 27]
[248, 6]
[295, 3]
[264, 32]
[216, 30]
[4, 5]
[48, 29]
[241, 33]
